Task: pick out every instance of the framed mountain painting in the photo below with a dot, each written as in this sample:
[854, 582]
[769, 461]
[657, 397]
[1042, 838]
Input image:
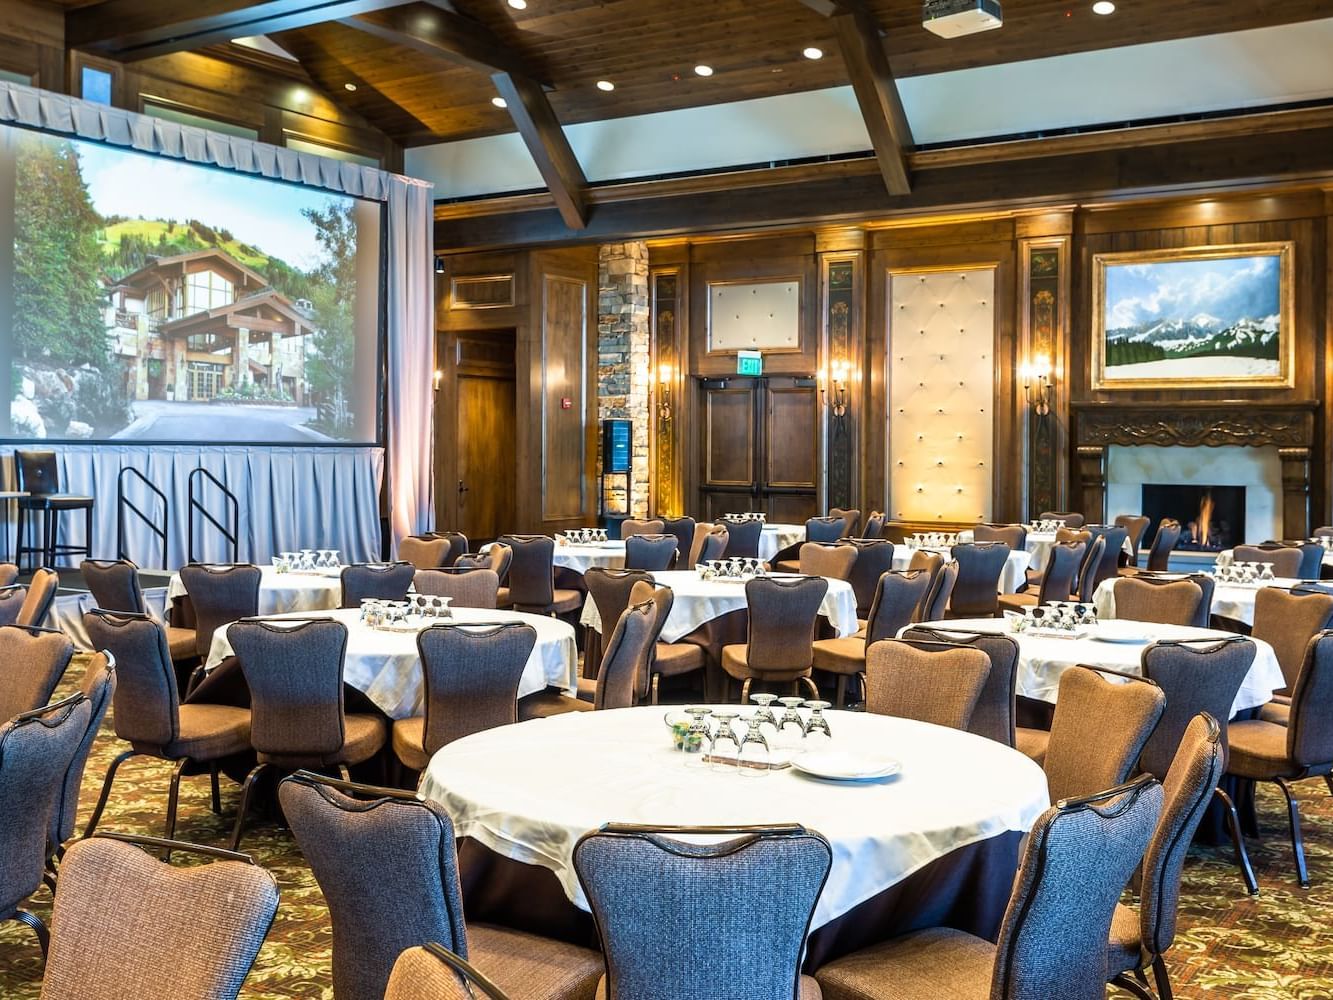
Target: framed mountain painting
[1204, 317]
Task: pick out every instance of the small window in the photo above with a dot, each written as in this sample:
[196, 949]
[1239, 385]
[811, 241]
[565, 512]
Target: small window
[95, 85]
[332, 152]
[170, 114]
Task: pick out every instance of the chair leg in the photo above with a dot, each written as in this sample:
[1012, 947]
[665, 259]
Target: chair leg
[1131, 985]
[814, 688]
[656, 680]
[1162, 978]
[1297, 846]
[840, 695]
[173, 799]
[745, 690]
[38, 928]
[1328, 780]
[217, 792]
[106, 791]
[1238, 841]
[246, 788]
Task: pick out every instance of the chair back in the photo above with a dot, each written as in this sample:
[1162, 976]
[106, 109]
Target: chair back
[663, 599]
[995, 714]
[653, 552]
[715, 543]
[1072, 519]
[458, 545]
[382, 581]
[1087, 568]
[829, 559]
[424, 551]
[977, 590]
[1135, 525]
[898, 595]
[471, 588]
[188, 932]
[1312, 558]
[38, 472]
[11, 603]
[36, 749]
[1196, 677]
[874, 526]
[1114, 540]
[1153, 599]
[1013, 535]
[1061, 572]
[1310, 727]
[146, 699]
[32, 661]
[929, 682]
[1324, 532]
[1076, 862]
[824, 529]
[433, 972]
[631, 527]
[220, 594]
[41, 595]
[626, 657]
[935, 605]
[387, 865]
[662, 937]
[609, 591]
[683, 529]
[114, 584]
[783, 615]
[742, 539]
[874, 558]
[532, 570]
[932, 563]
[1287, 620]
[851, 519]
[1286, 559]
[1163, 544]
[1099, 730]
[472, 678]
[98, 687]
[294, 670]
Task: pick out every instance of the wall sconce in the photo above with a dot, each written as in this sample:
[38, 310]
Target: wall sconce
[437, 378]
[439, 265]
[664, 392]
[834, 394]
[1038, 383]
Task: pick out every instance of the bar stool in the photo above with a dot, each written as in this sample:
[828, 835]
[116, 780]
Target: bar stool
[39, 478]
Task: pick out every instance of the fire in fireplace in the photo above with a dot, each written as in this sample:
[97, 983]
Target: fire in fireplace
[1212, 518]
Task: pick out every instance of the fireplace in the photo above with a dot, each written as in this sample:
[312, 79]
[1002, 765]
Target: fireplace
[1212, 518]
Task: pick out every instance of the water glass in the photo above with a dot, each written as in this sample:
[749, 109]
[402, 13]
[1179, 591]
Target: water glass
[767, 720]
[791, 727]
[724, 734]
[752, 758]
[697, 738]
[818, 735]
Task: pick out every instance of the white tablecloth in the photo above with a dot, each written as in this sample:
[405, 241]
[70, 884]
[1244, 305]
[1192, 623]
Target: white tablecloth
[776, 537]
[1012, 578]
[279, 593]
[510, 788]
[385, 665]
[698, 601]
[581, 558]
[1230, 600]
[1038, 545]
[1042, 660]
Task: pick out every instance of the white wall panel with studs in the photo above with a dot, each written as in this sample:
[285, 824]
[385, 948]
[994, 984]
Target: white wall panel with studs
[941, 381]
[754, 316]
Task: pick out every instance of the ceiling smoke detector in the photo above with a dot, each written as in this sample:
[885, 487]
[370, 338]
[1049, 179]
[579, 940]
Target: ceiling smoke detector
[955, 18]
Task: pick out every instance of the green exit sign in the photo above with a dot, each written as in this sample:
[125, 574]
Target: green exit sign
[749, 363]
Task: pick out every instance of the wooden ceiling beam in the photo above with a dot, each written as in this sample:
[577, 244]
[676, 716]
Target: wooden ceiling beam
[130, 30]
[550, 150]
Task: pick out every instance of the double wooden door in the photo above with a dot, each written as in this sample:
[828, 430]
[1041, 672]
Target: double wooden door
[760, 447]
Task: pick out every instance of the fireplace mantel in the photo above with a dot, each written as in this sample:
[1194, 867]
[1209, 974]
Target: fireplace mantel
[1290, 426]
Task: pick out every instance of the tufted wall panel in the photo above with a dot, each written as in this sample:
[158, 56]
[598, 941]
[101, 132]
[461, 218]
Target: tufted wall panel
[754, 316]
[941, 395]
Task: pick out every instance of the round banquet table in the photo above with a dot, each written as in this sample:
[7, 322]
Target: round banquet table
[1013, 577]
[1230, 600]
[386, 667]
[279, 593]
[1042, 659]
[1038, 547]
[937, 843]
[776, 537]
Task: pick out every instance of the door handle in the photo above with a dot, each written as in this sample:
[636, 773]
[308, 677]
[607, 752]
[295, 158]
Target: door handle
[462, 500]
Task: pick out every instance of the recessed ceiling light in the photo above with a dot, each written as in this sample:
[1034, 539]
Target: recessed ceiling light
[519, 4]
[704, 70]
[813, 52]
[499, 102]
[1103, 7]
[606, 85]
[349, 86]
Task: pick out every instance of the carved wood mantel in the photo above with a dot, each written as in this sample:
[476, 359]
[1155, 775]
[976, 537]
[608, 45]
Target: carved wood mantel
[1289, 426]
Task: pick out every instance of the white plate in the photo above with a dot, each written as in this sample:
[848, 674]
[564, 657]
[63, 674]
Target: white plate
[838, 765]
[1121, 631]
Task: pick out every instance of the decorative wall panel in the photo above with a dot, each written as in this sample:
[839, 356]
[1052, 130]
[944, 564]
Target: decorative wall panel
[754, 316]
[941, 377]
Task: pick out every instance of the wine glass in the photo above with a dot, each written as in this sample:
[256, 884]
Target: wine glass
[307, 559]
[791, 727]
[1267, 574]
[697, 737]
[752, 754]
[764, 713]
[817, 732]
[724, 734]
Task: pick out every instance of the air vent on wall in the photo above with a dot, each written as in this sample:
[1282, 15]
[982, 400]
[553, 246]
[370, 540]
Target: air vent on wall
[482, 291]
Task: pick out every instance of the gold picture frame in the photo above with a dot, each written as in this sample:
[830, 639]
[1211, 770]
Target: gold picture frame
[1172, 372]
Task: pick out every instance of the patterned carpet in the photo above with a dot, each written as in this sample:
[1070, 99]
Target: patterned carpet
[1276, 947]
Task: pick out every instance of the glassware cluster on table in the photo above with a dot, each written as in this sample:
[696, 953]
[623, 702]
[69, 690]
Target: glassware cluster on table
[1055, 617]
[417, 612]
[1045, 525]
[1243, 573]
[933, 540]
[746, 517]
[724, 740]
[731, 569]
[582, 536]
[1325, 540]
[306, 561]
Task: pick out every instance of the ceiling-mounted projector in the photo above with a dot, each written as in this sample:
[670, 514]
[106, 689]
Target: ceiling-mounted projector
[955, 18]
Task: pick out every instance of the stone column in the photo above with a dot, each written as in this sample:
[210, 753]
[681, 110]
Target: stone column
[623, 341]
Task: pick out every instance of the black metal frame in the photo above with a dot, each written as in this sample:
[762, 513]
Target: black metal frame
[233, 507]
[124, 503]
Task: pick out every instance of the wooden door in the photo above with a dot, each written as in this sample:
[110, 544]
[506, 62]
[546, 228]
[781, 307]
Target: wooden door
[760, 448]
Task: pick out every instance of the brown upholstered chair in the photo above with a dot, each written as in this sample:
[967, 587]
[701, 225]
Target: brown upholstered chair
[652, 552]
[995, 712]
[36, 749]
[1140, 939]
[115, 586]
[41, 595]
[9, 574]
[496, 559]
[742, 539]
[1287, 620]
[1013, 535]
[779, 646]
[683, 530]
[532, 577]
[1063, 536]
[710, 542]
[1286, 559]
[933, 682]
[851, 519]
[458, 545]
[897, 597]
[1114, 539]
[127, 924]
[874, 558]
[424, 552]
[98, 686]
[1135, 525]
[11, 603]
[625, 662]
[1303, 748]
[874, 525]
[609, 591]
[1324, 532]
[1087, 570]
[1053, 941]
[1057, 579]
[433, 972]
[834, 561]
[471, 684]
[935, 605]
[977, 590]
[630, 527]
[669, 659]
[468, 588]
[1198, 678]
[1152, 599]
[1159, 552]
[220, 594]
[381, 581]
[32, 661]
[294, 670]
[932, 563]
[148, 714]
[1072, 519]
[1098, 731]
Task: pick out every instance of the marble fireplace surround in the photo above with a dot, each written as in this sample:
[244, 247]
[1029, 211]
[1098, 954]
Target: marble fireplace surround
[1097, 426]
